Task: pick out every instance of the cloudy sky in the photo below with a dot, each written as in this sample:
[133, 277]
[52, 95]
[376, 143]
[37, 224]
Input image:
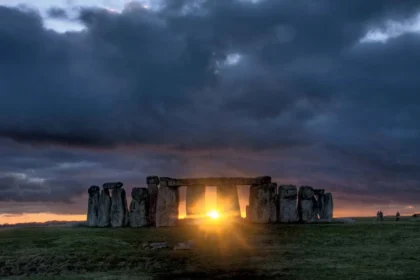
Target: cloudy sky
[321, 93]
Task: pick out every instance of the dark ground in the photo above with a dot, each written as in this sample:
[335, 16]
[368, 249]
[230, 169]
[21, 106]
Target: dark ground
[364, 250]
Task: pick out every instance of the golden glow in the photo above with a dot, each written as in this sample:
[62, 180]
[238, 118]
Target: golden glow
[213, 214]
[38, 218]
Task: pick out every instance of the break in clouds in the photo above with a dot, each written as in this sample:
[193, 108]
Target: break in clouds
[323, 93]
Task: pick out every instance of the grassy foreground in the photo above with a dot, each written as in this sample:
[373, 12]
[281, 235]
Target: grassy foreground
[364, 250]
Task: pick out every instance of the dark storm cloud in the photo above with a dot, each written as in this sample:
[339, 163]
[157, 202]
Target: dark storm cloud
[152, 92]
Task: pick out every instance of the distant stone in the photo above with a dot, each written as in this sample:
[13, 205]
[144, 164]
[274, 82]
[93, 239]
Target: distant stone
[139, 207]
[196, 201]
[104, 209]
[273, 203]
[260, 203]
[152, 186]
[119, 211]
[287, 202]
[93, 207]
[114, 185]
[167, 207]
[307, 206]
[184, 245]
[328, 207]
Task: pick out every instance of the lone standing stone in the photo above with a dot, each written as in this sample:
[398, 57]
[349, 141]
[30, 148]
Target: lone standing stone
[196, 201]
[93, 207]
[307, 207]
[104, 209]
[152, 186]
[260, 203]
[328, 206]
[139, 207]
[167, 207]
[273, 203]
[119, 211]
[287, 201]
[228, 201]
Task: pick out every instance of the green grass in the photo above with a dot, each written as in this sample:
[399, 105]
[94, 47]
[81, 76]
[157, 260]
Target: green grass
[364, 250]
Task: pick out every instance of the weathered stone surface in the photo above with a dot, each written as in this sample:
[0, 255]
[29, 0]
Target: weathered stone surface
[328, 206]
[307, 206]
[213, 181]
[259, 203]
[287, 204]
[153, 196]
[167, 207]
[139, 207]
[196, 201]
[320, 211]
[247, 212]
[152, 180]
[104, 209]
[113, 185]
[228, 201]
[119, 211]
[273, 203]
[93, 207]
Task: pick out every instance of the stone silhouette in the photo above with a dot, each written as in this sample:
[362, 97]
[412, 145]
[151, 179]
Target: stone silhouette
[273, 203]
[307, 206]
[139, 207]
[287, 202]
[259, 203]
[196, 201]
[397, 216]
[167, 207]
[104, 208]
[119, 211]
[228, 200]
[152, 186]
[327, 213]
[93, 207]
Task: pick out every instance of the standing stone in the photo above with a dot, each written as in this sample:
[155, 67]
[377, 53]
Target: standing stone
[273, 203]
[287, 202]
[196, 201]
[320, 205]
[167, 207]
[104, 209]
[93, 207]
[259, 203]
[152, 186]
[139, 207]
[228, 201]
[328, 206]
[247, 212]
[119, 211]
[307, 204]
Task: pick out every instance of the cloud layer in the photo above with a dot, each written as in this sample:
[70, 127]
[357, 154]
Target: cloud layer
[211, 88]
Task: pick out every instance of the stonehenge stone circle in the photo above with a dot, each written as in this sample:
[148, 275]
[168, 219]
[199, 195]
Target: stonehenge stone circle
[152, 186]
[167, 207]
[157, 205]
[119, 211]
[93, 207]
[139, 207]
[228, 200]
[104, 209]
[196, 201]
[287, 201]
[307, 205]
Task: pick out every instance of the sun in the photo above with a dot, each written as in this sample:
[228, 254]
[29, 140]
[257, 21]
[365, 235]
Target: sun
[213, 214]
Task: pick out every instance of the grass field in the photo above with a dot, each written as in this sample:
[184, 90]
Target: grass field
[363, 250]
